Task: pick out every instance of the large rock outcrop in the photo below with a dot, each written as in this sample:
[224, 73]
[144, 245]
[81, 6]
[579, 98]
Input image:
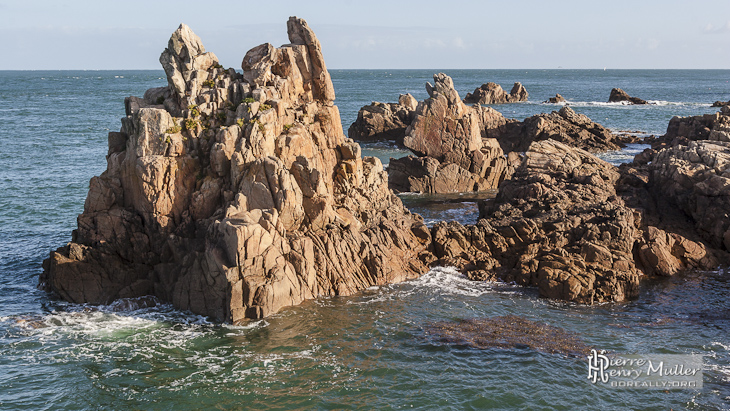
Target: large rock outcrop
[619, 96]
[492, 93]
[565, 126]
[446, 135]
[233, 196]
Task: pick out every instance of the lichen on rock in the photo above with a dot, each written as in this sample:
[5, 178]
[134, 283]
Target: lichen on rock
[233, 195]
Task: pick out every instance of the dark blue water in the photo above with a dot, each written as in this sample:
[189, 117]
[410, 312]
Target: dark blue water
[368, 351]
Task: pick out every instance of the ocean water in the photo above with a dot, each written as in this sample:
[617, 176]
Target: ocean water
[369, 351]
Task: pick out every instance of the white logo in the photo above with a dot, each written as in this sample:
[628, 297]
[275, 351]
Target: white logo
[597, 364]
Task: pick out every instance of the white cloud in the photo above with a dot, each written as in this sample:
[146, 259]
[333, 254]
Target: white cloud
[713, 29]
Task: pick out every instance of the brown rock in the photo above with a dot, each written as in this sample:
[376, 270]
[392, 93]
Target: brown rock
[555, 100]
[619, 96]
[383, 121]
[492, 93]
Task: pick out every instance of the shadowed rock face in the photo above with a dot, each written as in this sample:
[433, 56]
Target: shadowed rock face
[384, 121]
[235, 195]
[696, 179]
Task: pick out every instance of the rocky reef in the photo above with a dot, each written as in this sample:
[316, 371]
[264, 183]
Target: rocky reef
[233, 195]
[492, 93]
[619, 96]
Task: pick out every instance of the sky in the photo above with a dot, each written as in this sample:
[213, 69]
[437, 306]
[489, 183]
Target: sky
[376, 34]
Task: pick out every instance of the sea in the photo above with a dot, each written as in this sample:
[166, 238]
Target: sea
[372, 350]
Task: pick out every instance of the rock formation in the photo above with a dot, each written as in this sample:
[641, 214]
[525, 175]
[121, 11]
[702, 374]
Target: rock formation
[557, 224]
[565, 126]
[233, 196]
[721, 103]
[620, 96]
[384, 121]
[703, 127]
[447, 136]
[492, 93]
[555, 100]
[578, 228]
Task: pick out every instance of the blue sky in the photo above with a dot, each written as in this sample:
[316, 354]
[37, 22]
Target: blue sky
[425, 34]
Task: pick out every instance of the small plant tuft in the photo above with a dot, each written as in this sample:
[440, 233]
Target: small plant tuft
[209, 83]
[288, 127]
[240, 122]
[222, 115]
[264, 107]
[248, 100]
[191, 124]
[174, 129]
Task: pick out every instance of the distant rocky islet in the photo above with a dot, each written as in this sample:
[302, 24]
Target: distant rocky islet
[233, 195]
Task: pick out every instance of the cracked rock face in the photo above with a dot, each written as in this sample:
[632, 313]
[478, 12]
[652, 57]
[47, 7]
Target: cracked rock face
[696, 179]
[233, 195]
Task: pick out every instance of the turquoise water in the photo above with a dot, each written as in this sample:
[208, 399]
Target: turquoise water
[369, 351]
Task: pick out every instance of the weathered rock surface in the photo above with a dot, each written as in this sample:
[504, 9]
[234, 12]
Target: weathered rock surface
[447, 135]
[555, 100]
[557, 224]
[233, 196]
[620, 96]
[565, 126]
[721, 103]
[696, 179]
[492, 93]
[384, 121]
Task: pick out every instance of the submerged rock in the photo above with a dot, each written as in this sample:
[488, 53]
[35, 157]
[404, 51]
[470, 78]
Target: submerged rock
[447, 136]
[508, 332]
[492, 93]
[620, 96]
[233, 196]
